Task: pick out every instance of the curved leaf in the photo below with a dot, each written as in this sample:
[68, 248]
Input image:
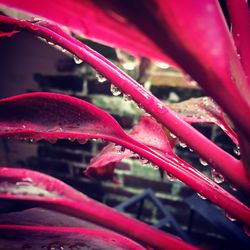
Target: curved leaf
[41, 190]
[39, 237]
[204, 110]
[147, 131]
[48, 115]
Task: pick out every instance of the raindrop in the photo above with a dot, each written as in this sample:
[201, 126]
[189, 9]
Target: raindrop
[120, 149]
[191, 150]
[24, 126]
[172, 135]
[162, 65]
[114, 90]
[31, 140]
[216, 176]
[247, 230]
[126, 98]
[94, 139]
[233, 187]
[155, 167]
[203, 162]
[82, 141]
[201, 196]
[237, 150]
[52, 140]
[230, 217]
[182, 144]
[143, 160]
[77, 59]
[170, 177]
[100, 78]
[51, 43]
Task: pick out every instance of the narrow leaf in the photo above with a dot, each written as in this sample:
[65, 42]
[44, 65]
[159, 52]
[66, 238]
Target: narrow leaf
[41, 190]
[44, 237]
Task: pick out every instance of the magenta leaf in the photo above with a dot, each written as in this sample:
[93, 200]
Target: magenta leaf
[39, 237]
[204, 110]
[147, 131]
[44, 191]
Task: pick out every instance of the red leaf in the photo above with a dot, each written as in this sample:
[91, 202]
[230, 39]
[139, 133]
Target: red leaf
[51, 116]
[147, 131]
[39, 237]
[44, 191]
[204, 110]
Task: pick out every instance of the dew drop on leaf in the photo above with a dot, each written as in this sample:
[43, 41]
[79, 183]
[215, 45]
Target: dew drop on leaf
[82, 141]
[201, 196]
[100, 78]
[170, 177]
[77, 60]
[216, 176]
[203, 162]
[230, 217]
[114, 90]
[182, 144]
[237, 150]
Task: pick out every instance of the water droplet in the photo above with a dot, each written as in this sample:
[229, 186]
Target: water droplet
[237, 150]
[201, 196]
[247, 230]
[82, 141]
[130, 65]
[170, 177]
[182, 144]
[172, 135]
[191, 150]
[126, 98]
[94, 139]
[114, 90]
[71, 139]
[162, 65]
[233, 187]
[31, 140]
[77, 59]
[23, 126]
[51, 43]
[52, 140]
[203, 162]
[100, 78]
[120, 149]
[216, 176]
[155, 167]
[143, 160]
[230, 217]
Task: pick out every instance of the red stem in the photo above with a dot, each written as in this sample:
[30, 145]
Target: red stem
[240, 19]
[215, 156]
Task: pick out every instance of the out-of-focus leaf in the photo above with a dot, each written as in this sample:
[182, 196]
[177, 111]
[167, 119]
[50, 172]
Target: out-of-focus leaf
[40, 190]
[204, 110]
[148, 131]
[45, 237]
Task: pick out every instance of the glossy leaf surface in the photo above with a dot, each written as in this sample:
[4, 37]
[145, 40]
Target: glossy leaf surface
[44, 237]
[40, 190]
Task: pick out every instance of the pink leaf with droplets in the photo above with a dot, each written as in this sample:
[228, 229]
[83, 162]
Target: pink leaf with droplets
[45, 237]
[148, 131]
[40, 190]
[204, 110]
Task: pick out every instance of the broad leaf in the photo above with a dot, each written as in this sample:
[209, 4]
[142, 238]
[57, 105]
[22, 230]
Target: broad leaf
[44, 237]
[41, 190]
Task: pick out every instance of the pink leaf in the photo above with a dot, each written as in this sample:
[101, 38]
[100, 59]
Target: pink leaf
[44, 191]
[204, 110]
[147, 131]
[39, 237]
